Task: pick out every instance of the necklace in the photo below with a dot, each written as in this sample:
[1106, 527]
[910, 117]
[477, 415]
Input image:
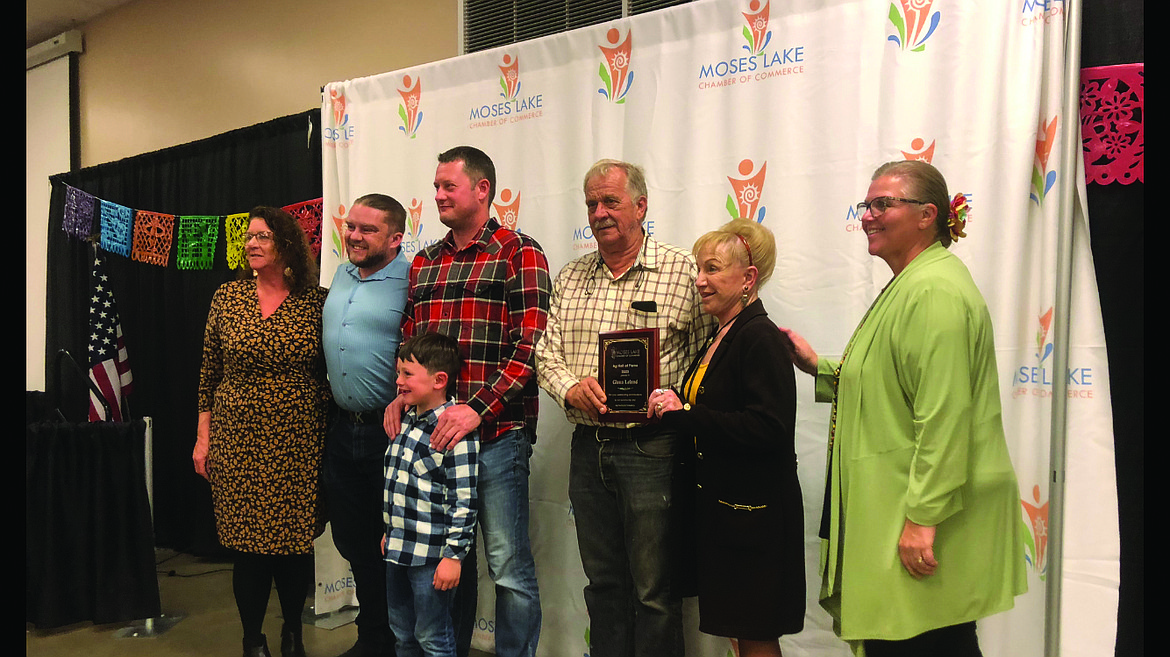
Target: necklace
[728, 323]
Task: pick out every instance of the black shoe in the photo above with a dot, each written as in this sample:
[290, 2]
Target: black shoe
[356, 650]
[291, 644]
[257, 651]
[367, 648]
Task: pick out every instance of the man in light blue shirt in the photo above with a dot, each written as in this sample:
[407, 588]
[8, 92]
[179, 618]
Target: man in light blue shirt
[361, 332]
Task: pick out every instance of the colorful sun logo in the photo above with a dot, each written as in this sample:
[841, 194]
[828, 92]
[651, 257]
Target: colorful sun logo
[510, 77]
[914, 23]
[744, 202]
[615, 68]
[756, 31]
[408, 111]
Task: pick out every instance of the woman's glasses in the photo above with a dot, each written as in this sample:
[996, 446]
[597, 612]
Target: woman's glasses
[263, 237]
[878, 206]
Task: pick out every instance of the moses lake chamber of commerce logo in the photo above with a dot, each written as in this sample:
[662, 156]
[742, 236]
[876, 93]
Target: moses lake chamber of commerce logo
[1040, 11]
[1042, 178]
[414, 221]
[615, 70]
[920, 150]
[412, 237]
[510, 77]
[508, 209]
[338, 236]
[914, 23]
[1035, 379]
[510, 105]
[1036, 536]
[756, 32]
[410, 111]
[341, 133]
[747, 191]
[761, 62]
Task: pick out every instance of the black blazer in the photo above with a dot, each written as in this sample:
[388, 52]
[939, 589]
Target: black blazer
[745, 499]
[744, 420]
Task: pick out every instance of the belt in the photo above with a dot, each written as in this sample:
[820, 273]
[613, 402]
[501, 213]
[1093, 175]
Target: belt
[618, 434]
[360, 418]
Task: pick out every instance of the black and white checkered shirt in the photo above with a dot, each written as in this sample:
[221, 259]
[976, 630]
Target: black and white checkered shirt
[429, 501]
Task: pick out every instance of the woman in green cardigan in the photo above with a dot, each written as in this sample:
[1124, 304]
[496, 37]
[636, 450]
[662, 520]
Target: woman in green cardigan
[921, 523]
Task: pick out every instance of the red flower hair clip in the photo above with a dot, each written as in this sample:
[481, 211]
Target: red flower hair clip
[957, 220]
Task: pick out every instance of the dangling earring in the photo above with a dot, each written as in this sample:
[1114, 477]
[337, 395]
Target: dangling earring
[288, 272]
[744, 298]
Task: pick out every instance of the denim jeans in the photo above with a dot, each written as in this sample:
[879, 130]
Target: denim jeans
[354, 473]
[621, 496]
[503, 527]
[420, 615]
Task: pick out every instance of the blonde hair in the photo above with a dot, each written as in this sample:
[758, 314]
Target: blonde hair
[747, 242]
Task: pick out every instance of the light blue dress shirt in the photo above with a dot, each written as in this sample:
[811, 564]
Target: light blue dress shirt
[362, 327]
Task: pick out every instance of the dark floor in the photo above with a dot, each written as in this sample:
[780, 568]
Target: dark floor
[199, 618]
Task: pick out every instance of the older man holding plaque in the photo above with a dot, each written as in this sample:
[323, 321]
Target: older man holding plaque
[616, 318]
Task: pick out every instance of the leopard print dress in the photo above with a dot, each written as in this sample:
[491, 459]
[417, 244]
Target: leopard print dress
[263, 379]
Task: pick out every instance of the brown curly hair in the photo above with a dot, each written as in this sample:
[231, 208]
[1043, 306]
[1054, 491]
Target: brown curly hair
[292, 247]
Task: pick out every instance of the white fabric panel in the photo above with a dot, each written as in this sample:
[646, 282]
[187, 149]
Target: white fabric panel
[46, 153]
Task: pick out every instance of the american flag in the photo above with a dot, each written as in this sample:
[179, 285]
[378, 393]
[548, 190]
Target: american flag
[109, 366]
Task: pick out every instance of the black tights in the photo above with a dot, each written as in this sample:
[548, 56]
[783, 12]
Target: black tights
[252, 578]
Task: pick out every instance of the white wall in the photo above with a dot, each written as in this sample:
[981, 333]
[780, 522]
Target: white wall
[46, 153]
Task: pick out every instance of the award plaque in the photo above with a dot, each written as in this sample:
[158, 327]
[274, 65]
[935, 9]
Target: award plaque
[628, 372]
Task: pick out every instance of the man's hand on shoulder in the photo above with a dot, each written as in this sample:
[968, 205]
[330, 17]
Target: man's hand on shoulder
[453, 425]
[392, 418]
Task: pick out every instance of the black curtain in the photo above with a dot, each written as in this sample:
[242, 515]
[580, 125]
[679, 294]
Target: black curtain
[163, 309]
[1113, 33]
[89, 555]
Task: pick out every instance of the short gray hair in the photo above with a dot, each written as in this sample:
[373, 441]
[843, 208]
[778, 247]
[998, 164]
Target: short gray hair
[635, 176]
[927, 184]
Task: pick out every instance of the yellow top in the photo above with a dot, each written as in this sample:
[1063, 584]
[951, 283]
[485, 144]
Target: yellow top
[691, 386]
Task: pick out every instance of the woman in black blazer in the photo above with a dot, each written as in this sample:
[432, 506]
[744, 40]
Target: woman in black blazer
[739, 402]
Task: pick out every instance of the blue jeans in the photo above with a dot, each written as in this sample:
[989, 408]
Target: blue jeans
[621, 493]
[503, 526]
[420, 615]
[354, 473]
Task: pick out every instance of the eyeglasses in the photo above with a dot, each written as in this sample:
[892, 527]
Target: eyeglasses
[263, 237]
[878, 206]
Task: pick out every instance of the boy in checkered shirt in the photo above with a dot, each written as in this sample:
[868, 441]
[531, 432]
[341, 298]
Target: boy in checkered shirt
[429, 503]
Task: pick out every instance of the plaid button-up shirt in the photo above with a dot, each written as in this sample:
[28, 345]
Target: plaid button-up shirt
[429, 500]
[492, 297]
[587, 300]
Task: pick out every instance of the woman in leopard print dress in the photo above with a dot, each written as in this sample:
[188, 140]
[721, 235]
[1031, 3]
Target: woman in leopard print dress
[263, 398]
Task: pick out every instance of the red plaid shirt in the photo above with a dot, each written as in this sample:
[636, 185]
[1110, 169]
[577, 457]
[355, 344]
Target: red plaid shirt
[492, 297]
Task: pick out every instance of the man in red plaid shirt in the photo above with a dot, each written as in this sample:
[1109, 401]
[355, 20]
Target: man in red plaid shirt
[488, 287]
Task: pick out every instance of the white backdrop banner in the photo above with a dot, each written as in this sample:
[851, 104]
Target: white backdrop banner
[780, 113]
